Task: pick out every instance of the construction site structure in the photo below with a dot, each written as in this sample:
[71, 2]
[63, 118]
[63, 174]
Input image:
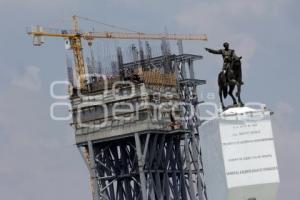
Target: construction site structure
[74, 41]
[137, 128]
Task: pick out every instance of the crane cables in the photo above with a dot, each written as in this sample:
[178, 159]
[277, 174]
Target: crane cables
[108, 25]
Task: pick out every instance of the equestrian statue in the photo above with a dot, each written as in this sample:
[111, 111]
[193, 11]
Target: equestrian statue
[230, 76]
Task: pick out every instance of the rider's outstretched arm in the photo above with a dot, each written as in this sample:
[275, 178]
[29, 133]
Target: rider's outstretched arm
[214, 51]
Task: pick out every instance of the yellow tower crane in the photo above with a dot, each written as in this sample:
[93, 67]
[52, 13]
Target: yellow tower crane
[75, 37]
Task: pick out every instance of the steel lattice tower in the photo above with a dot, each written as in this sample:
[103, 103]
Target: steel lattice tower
[143, 157]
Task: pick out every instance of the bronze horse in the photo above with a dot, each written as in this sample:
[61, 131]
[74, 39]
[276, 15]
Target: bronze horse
[228, 80]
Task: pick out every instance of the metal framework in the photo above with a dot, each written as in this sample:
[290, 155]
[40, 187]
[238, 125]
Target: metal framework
[75, 37]
[141, 159]
[152, 164]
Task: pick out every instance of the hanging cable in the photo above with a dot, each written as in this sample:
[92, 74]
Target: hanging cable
[108, 25]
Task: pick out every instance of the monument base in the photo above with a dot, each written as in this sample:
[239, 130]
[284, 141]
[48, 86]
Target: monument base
[238, 155]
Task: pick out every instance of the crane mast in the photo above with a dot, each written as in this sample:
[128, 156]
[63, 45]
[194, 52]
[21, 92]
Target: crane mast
[79, 60]
[75, 37]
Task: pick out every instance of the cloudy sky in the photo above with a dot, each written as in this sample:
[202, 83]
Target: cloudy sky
[38, 159]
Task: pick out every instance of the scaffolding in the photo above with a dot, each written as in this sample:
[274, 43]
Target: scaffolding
[141, 153]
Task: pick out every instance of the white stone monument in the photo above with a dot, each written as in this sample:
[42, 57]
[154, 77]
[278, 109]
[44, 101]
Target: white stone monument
[239, 157]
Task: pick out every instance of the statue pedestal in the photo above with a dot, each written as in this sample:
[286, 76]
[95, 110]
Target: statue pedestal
[239, 157]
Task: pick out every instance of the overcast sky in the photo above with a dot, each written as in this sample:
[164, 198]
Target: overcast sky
[38, 159]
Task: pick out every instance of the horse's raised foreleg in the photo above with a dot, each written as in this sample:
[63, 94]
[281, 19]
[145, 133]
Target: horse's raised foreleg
[231, 88]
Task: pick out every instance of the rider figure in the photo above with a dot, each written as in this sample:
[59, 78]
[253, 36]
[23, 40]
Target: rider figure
[227, 54]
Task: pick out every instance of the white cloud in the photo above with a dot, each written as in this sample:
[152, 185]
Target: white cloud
[30, 80]
[228, 21]
[287, 139]
[200, 14]
[37, 155]
[284, 108]
[285, 115]
[245, 45]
